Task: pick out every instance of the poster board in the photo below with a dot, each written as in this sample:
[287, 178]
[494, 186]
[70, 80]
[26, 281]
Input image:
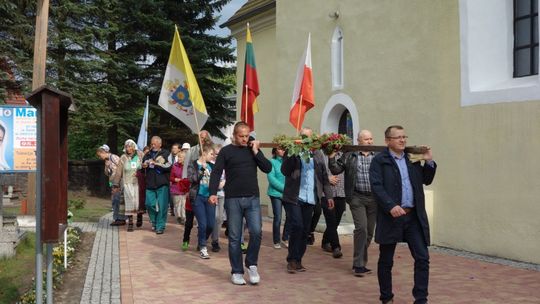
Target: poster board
[18, 144]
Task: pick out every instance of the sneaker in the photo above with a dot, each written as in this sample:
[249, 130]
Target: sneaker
[361, 271]
[204, 253]
[185, 246]
[337, 253]
[254, 277]
[300, 267]
[244, 248]
[215, 247]
[285, 244]
[159, 232]
[277, 246]
[238, 279]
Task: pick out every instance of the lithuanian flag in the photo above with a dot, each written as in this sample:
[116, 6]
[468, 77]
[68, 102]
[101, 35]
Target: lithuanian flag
[250, 87]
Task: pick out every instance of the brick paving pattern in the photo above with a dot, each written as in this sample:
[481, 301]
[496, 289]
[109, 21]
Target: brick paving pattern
[155, 270]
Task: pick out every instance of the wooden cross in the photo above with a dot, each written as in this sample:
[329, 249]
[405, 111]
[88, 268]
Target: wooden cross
[365, 148]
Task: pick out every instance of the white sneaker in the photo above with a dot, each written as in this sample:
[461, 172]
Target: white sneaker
[254, 277]
[277, 246]
[238, 279]
[204, 253]
[285, 244]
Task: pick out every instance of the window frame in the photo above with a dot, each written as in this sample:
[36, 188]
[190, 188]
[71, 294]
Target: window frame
[531, 46]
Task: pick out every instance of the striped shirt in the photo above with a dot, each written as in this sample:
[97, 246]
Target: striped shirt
[362, 172]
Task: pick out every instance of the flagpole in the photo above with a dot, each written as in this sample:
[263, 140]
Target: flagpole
[146, 122]
[198, 132]
[298, 120]
[246, 106]
[246, 88]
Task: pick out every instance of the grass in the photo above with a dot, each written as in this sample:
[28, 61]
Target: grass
[94, 209]
[12, 210]
[16, 273]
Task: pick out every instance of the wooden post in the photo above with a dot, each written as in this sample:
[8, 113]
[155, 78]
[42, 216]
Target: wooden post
[38, 79]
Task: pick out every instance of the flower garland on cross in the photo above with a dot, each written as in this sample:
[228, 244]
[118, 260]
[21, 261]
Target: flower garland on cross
[304, 146]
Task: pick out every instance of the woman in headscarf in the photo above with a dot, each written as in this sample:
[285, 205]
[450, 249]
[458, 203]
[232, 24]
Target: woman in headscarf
[126, 178]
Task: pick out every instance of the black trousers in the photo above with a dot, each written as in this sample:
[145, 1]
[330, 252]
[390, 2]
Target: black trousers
[413, 235]
[332, 218]
[188, 225]
[317, 211]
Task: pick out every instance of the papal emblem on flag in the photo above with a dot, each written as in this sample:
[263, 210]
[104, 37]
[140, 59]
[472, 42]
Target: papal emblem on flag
[180, 94]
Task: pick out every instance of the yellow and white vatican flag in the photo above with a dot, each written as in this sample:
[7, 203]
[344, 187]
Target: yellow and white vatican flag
[180, 94]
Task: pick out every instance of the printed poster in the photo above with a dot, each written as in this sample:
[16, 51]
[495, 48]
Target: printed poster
[17, 139]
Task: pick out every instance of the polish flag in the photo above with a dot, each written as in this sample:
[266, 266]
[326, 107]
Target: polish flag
[302, 99]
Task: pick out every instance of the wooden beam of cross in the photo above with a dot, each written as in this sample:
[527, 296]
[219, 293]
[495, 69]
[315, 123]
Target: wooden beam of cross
[365, 148]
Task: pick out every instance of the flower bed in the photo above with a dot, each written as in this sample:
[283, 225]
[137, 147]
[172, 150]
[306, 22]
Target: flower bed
[73, 239]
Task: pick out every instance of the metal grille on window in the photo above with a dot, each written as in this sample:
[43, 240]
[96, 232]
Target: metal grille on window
[525, 38]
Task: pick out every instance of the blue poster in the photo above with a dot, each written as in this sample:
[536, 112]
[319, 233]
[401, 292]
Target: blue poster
[17, 139]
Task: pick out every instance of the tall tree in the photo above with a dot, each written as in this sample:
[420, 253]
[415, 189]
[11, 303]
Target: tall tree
[110, 54]
[16, 43]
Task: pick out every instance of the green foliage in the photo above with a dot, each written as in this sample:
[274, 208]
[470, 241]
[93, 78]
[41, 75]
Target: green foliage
[16, 43]
[111, 54]
[76, 203]
[15, 272]
[73, 240]
[304, 146]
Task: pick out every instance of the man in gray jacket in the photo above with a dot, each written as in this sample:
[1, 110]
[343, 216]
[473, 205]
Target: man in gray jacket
[361, 202]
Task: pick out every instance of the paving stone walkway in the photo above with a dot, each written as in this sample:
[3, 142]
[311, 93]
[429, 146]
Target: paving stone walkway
[142, 267]
[102, 284]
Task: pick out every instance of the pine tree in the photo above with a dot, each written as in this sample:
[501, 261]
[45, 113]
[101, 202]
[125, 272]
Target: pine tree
[111, 54]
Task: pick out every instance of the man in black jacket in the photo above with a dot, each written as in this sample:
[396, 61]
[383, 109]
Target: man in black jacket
[240, 162]
[361, 202]
[398, 188]
[305, 182]
[157, 168]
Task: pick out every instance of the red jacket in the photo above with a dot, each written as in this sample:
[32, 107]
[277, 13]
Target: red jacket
[181, 187]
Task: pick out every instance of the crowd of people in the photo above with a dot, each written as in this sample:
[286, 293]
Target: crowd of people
[211, 185]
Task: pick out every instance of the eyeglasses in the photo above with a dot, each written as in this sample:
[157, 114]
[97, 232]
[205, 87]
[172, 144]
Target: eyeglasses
[398, 137]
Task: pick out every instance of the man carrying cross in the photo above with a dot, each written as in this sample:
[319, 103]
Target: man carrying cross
[397, 185]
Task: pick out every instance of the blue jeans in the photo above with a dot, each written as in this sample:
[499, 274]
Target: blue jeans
[414, 236]
[237, 208]
[300, 219]
[116, 197]
[276, 210]
[206, 218]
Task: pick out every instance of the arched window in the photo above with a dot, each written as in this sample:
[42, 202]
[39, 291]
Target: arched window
[345, 125]
[337, 59]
